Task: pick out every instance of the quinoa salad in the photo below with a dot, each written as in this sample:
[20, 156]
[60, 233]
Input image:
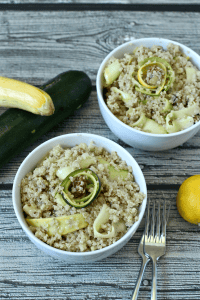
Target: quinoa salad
[153, 90]
[80, 199]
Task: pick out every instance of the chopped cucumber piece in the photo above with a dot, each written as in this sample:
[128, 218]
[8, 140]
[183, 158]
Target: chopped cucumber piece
[103, 218]
[177, 125]
[149, 125]
[113, 173]
[112, 72]
[86, 162]
[153, 127]
[124, 96]
[182, 119]
[140, 122]
[190, 74]
[32, 210]
[168, 106]
[63, 172]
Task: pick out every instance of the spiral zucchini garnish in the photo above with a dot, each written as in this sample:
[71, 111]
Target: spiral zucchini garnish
[80, 188]
[154, 75]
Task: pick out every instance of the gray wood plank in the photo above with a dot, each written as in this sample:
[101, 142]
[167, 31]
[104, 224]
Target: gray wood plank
[36, 46]
[165, 167]
[28, 273]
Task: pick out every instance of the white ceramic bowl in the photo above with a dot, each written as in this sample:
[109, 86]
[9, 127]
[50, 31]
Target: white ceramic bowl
[131, 136]
[70, 140]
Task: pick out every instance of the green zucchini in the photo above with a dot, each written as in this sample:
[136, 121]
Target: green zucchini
[19, 128]
[88, 179]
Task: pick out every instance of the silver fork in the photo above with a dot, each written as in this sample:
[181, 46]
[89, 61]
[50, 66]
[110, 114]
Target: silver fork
[145, 260]
[155, 239]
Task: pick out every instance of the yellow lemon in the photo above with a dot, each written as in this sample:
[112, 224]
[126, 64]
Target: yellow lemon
[188, 200]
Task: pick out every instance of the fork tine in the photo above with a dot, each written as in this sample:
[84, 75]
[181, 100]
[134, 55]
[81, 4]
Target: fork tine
[164, 220]
[153, 211]
[155, 245]
[147, 218]
[158, 222]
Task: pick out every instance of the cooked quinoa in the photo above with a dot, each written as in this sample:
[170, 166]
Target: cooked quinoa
[128, 104]
[122, 197]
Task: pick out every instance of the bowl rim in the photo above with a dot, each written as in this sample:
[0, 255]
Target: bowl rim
[56, 251]
[100, 96]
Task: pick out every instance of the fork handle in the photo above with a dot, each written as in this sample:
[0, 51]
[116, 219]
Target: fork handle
[139, 279]
[154, 280]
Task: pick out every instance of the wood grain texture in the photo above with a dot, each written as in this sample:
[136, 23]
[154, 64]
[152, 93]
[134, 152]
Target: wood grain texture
[27, 273]
[164, 167]
[36, 46]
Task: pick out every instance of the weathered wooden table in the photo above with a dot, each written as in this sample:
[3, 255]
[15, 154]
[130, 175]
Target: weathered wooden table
[41, 39]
